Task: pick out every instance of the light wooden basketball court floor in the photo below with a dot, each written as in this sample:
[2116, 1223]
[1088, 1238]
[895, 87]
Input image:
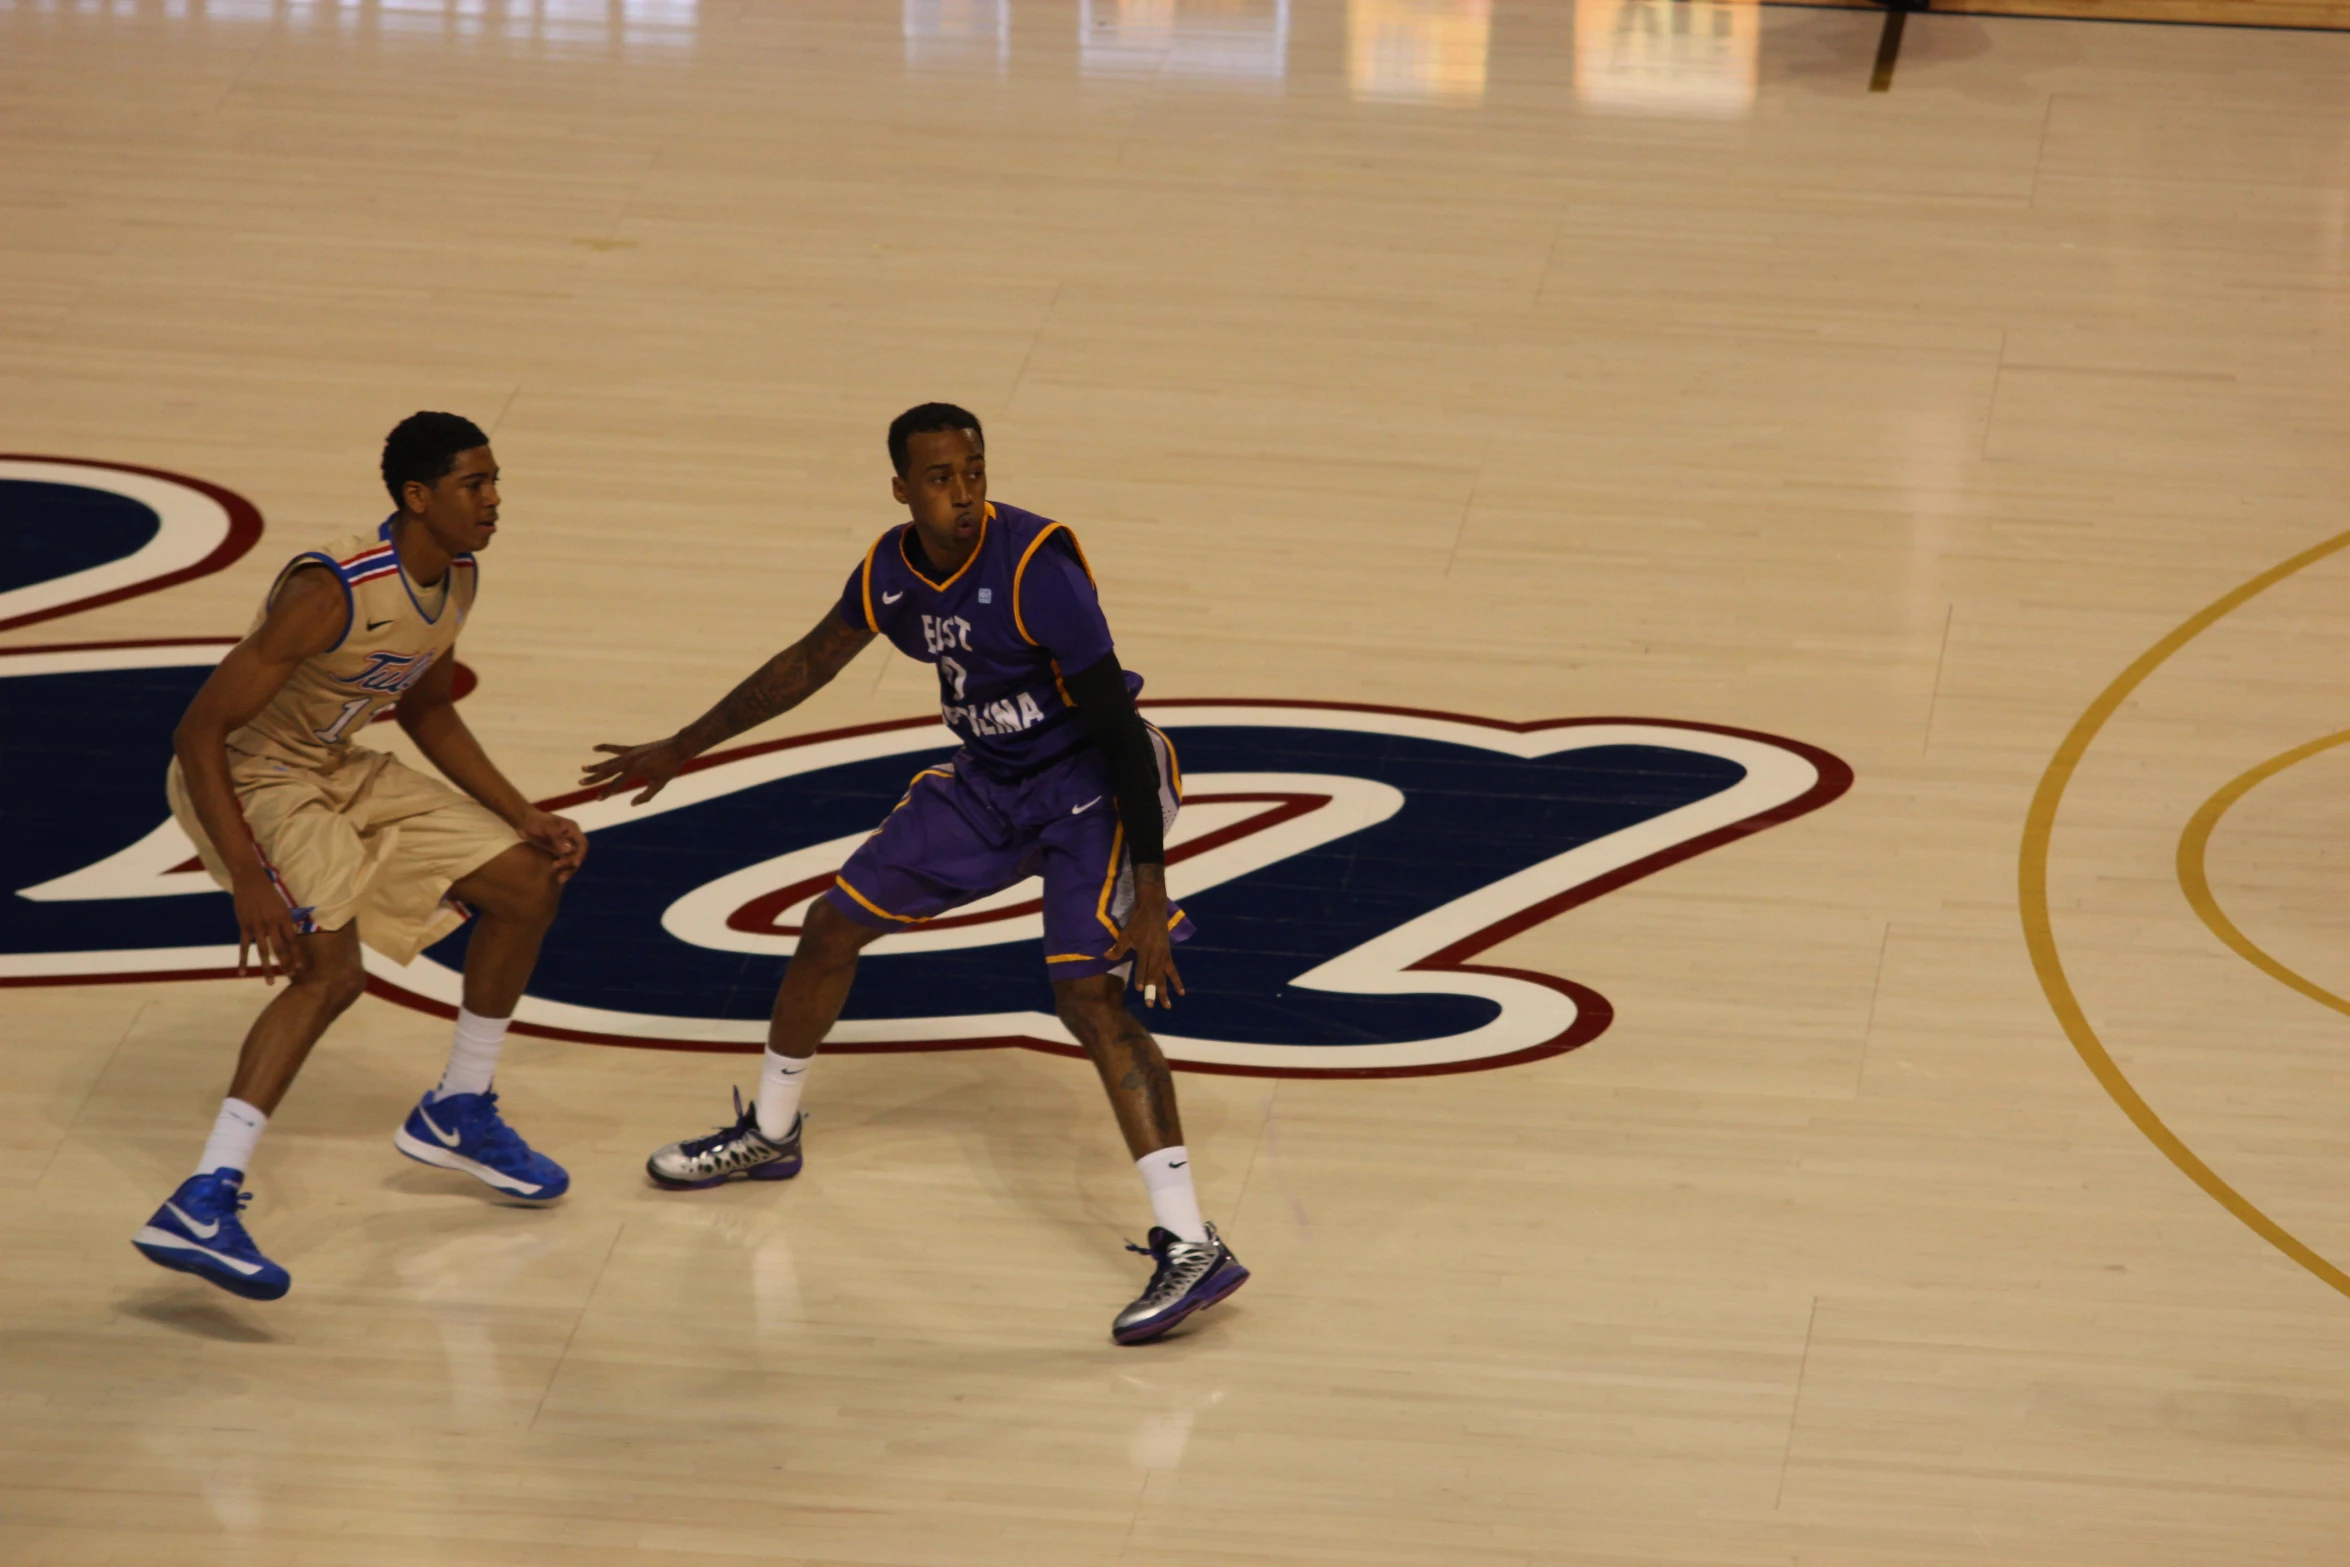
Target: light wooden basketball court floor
[1961, 1177]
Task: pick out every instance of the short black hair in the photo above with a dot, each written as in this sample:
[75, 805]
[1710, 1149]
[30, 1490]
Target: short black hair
[928, 419]
[423, 447]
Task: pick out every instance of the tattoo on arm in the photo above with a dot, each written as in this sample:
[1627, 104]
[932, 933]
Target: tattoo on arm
[782, 683]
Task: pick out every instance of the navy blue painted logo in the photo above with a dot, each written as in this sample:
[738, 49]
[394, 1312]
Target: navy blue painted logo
[77, 534]
[1344, 865]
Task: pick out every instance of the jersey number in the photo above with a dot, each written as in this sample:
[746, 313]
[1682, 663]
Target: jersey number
[343, 720]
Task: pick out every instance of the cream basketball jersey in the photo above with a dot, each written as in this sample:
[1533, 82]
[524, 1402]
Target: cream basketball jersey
[397, 632]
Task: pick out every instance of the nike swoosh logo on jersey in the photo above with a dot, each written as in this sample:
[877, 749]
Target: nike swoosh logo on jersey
[202, 1232]
[377, 625]
[448, 1140]
[892, 598]
[1080, 810]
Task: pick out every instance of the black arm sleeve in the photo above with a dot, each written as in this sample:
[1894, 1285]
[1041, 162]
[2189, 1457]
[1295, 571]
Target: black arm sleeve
[1116, 728]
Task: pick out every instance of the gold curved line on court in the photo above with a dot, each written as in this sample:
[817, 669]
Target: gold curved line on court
[2040, 937]
[2195, 879]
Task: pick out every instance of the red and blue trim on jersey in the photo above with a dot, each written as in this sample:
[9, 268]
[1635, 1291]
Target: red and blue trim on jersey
[367, 565]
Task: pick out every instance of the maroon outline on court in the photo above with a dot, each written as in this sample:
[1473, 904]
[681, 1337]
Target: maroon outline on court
[1593, 1012]
[244, 531]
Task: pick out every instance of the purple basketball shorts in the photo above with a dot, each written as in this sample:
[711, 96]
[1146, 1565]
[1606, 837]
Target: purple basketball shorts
[960, 835]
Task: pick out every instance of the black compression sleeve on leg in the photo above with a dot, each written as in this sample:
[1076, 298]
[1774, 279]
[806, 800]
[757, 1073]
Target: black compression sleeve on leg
[1117, 729]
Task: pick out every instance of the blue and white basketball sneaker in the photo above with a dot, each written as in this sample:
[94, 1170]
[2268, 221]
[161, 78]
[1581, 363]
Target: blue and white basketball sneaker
[740, 1151]
[1191, 1276]
[465, 1132]
[197, 1230]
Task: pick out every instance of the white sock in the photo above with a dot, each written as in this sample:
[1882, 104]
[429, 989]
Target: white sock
[235, 1132]
[473, 1057]
[1166, 1175]
[780, 1078]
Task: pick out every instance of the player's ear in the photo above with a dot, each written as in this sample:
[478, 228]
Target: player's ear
[897, 488]
[415, 496]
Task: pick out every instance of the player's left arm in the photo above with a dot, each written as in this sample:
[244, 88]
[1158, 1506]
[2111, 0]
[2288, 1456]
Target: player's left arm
[1118, 732]
[427, 714]
[1057, 608]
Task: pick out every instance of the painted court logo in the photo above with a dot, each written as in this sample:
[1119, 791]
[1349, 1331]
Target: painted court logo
[1345, 866]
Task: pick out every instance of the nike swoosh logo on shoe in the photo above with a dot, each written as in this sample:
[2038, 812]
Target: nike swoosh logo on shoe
[155, 1237]
[448, 1139]
[892, 598]
[202, 1232]
[1080, 810]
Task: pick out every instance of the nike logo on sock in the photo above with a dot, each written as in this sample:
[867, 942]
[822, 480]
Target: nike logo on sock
[1179, 1164]
[1080, 810]
[202, 1232]
[448, 1139]
[892, 598]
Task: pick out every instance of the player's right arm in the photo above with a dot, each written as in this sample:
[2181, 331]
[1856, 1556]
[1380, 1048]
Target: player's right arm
[779, 685]
[309, 617]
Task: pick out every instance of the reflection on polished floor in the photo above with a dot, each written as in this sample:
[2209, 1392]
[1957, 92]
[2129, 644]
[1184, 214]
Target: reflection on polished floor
[1521, 361]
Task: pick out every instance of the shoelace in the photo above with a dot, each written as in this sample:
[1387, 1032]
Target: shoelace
[496, 1136]
[230, 1215]
[1175, 1274]
[694, 1148]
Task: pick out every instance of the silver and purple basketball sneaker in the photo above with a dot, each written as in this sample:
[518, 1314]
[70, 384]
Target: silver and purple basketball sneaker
[1191, 1276]
[737, 1152]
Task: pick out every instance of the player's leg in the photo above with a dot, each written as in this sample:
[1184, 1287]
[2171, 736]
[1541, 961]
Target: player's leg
[514, 899]
[198, 1229]
[1088, 897]
[1133, 1071]
[763, 1142]
[319, 866]
[945, 844]
[453, 857]
[1194, 1268]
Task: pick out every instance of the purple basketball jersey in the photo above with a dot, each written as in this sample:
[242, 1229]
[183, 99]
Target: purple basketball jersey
[1001, 632]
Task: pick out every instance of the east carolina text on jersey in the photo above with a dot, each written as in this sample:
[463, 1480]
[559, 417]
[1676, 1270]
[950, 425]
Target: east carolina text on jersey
[1001, 631]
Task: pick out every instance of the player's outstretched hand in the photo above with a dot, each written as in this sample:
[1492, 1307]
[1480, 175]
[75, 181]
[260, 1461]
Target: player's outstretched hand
[558, 837]
[651, 765]
[1145, 936]
[266, 926]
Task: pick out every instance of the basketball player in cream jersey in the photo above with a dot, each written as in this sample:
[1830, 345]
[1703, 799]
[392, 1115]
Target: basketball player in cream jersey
[326, 843]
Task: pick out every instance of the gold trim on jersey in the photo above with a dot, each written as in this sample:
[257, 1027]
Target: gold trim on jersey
[1018, 572]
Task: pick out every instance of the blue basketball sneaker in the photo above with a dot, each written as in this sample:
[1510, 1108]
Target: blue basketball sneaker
[465, 1132]
[1191, 1276]
[197, 1230]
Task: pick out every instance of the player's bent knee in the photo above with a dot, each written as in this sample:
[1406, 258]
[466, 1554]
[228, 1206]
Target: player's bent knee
[338, 986]
[1089, 1008]
[521, 884]
[829, 936]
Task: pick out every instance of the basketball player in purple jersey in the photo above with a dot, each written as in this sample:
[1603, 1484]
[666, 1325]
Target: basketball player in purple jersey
[1058, 776]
